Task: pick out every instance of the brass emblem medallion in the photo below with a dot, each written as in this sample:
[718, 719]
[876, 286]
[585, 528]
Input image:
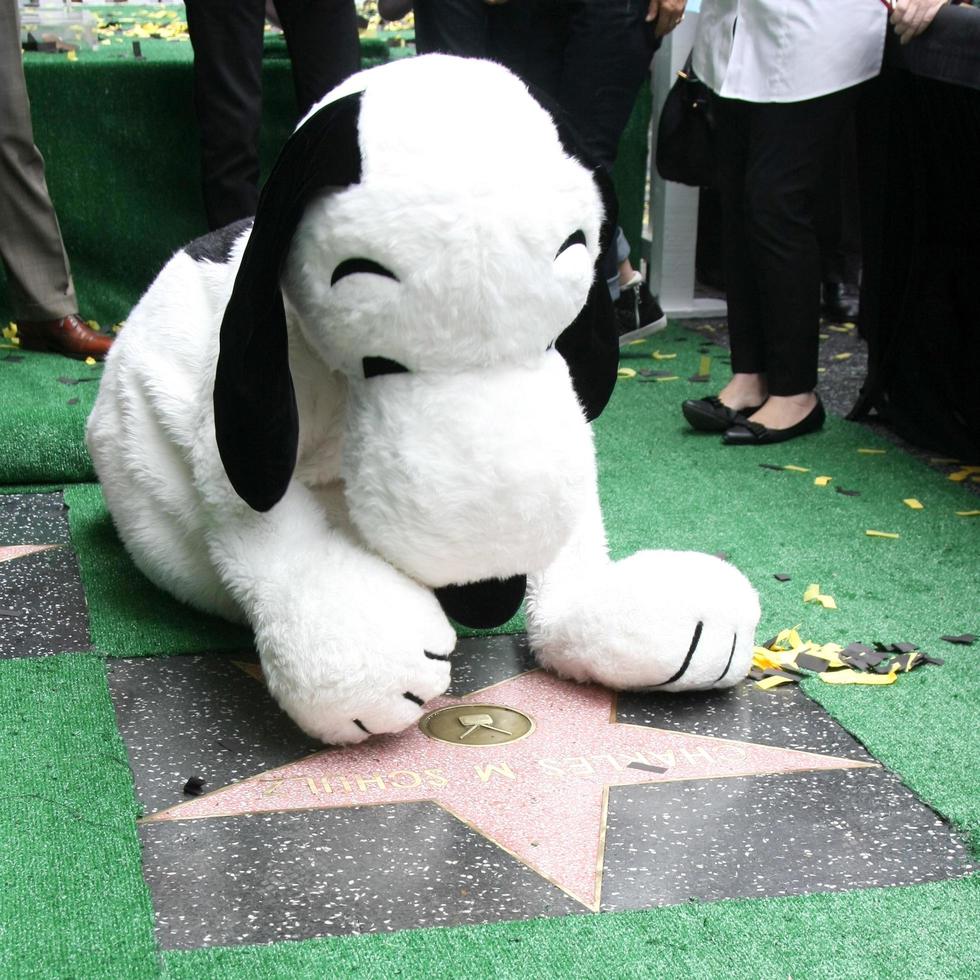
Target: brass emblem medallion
[476, 724]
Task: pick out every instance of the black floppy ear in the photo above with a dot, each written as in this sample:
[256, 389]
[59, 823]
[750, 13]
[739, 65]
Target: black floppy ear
[255, 416]
[590, 343]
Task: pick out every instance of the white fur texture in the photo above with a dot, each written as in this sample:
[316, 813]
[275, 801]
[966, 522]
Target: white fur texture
[477, 463]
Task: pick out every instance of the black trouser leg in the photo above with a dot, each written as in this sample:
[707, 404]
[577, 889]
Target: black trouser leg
[321, 36]
[452, 27]
[227, 39]
[839, 214]
[592, 58]
[742, 287]
[787, 149]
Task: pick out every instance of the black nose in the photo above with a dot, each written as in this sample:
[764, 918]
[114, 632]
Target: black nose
[483, 605]
[373, 366]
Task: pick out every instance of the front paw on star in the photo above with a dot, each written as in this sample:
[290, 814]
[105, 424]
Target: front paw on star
[658, 620]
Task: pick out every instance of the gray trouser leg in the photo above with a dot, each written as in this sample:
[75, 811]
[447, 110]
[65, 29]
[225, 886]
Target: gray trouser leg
[38, 276]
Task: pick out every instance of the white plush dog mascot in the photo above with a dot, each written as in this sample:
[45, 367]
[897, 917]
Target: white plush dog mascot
[350, 417]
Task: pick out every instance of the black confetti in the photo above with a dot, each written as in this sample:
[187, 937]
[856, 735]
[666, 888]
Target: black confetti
[645, 767]
[782, 577]
[809, 662]
[195, 786]
[848, 493]
[966, 639]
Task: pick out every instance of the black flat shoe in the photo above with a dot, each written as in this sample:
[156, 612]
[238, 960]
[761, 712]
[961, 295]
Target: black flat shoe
[746, 433]
[710, 415]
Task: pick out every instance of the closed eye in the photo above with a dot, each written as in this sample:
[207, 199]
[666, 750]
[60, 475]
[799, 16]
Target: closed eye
[575, 238]
[349, 266]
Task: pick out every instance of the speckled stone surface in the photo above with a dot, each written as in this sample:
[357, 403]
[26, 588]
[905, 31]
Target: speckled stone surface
[262, 878]
[42, 603]
[772, 835]
[790, 721]
[405, 832]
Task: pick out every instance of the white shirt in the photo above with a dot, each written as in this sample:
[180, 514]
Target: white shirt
[788, 50]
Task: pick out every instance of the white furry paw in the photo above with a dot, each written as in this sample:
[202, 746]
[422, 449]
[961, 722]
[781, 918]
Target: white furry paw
[350, 665]
[664, 620]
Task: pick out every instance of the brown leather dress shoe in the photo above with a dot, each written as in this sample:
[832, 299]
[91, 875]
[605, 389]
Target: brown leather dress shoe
[69, 336]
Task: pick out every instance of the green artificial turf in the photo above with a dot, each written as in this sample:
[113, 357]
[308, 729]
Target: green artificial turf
[42, 418]
[72, 902]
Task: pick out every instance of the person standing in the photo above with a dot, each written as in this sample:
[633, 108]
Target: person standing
[227, 37]
[787, 77]
[38, 274]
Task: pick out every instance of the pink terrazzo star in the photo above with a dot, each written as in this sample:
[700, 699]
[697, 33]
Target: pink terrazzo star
[9, 552]
[543, 798]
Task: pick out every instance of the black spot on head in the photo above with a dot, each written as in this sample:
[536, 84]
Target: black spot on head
[216, 245]
[575, 238]
[375, 366]
[351, 266]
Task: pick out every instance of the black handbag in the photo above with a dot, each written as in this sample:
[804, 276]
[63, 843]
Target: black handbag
[685, 134]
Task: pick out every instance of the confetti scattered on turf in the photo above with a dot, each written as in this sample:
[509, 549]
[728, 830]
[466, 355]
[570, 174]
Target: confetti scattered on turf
[812, 593]
[912, 503]
[787, 659]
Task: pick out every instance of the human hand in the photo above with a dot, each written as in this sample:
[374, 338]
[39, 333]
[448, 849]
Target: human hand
[912, 17]
[667, 14]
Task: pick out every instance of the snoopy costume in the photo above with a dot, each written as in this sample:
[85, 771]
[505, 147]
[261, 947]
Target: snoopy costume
[370, 408]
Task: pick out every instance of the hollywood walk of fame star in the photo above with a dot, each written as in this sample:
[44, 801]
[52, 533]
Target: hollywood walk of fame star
[542, 798]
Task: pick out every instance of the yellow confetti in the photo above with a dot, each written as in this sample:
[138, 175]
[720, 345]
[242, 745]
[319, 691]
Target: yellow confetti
[968, 513]
[670, 377]
[10, 331]
[787, 640]
[825, 336]
[857, 677]
[704, 365]
[873, 452]
[958, 477]
[849, 326]
[796, 469]
[657, 356]
[767, 683]
[880, 534]
[626, 373]
[813, 594]
[72, 56]
[840, 328]
[822, 481]
[93, 325]
[90, 361]
[633, 343]
[913, 503]
[843, 356]
[821, 370]
[764, 660]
